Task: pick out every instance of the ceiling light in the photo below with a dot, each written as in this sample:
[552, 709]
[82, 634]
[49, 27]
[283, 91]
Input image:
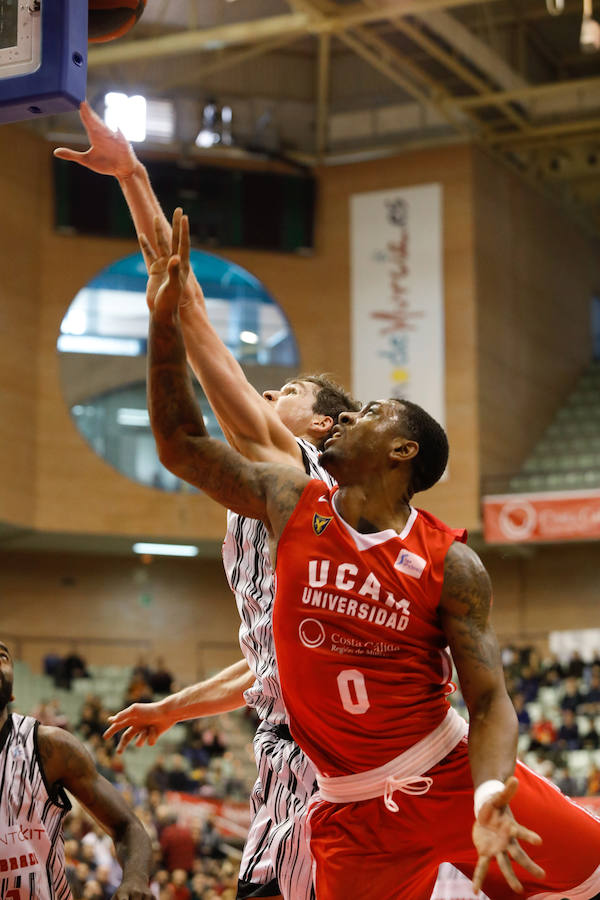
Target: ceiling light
[127, 114]
[165, 549]
[248, 337]
[136, 418]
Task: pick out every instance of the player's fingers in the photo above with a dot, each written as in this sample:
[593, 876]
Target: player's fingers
[505, 796]
[184, 246]
[67, 153]
[161, 238]
[507, 870]
[147, 250]
[176, 230]
[141, 738]
[524, 834]
[152, 735]
[519, 855]
[480, 873]
[112, 729]
[126, 738]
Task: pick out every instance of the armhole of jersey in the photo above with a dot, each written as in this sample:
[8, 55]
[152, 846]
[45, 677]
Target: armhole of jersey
[310, 484]
[56, 794]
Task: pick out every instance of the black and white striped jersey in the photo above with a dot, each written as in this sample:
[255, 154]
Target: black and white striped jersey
[32, 857]
[250, 576]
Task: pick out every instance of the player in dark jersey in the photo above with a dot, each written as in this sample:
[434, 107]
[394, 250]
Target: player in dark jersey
[38, 763]
[369, 592]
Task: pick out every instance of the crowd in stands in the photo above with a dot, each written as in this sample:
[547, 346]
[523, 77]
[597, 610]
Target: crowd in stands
[558, 709]
[557, 705]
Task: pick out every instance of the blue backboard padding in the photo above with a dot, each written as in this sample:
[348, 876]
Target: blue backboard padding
[59, 83]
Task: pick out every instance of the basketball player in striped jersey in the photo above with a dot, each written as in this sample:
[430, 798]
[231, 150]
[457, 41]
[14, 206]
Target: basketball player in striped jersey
[285, 426]
[371, 593]
[37, 764]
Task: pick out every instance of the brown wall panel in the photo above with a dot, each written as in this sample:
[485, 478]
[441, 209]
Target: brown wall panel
[536, 274]
[113, 609]
[21, 185]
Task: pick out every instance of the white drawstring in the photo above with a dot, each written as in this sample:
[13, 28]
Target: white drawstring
[415, 785]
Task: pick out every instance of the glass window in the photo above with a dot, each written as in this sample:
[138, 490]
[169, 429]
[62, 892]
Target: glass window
[102, 346]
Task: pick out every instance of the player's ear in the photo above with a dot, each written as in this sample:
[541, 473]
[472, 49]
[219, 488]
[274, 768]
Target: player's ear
[321, 424]
[403, 450]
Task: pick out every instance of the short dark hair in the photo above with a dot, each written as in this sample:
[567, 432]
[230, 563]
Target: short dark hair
[430, 462]
[331, 399]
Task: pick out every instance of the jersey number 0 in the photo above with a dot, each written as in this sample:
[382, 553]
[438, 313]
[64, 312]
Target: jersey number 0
[355, 701]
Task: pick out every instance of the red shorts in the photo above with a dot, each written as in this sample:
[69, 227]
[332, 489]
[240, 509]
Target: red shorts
[362, 851]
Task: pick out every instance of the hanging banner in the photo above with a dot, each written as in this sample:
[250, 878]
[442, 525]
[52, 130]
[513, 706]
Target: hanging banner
[564, 516]
[397, 296]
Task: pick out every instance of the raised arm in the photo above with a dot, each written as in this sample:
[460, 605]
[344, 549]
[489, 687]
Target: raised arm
[67, 763]
[145, 722]
[261, 491]
[465, 616]
[246, 418]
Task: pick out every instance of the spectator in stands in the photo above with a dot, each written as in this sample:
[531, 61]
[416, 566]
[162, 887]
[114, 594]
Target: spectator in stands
[572, 697]
[157, 777]
[528, 684]
[543, 734]
[161, 680]
[593, 781]
[48, 712]
[72, 666]
[90, 721]
[138, 689]
[178, 778]
[575, 666]
[591, 739]
[552, 671]
[566, 782]
[568, 733]
[178, 845]
[180, 890]
[591, 699]
[522, 715]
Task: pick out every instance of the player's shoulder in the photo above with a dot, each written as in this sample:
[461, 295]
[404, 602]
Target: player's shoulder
[433, 524]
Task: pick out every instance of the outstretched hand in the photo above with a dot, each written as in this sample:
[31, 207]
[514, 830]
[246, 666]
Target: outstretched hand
[110, 152]
[496, 834]
[169, 269]
[143, 722]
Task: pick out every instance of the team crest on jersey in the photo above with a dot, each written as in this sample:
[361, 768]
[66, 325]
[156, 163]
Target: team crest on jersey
[320, 523]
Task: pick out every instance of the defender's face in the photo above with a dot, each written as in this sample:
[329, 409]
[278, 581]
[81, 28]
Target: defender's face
[294, 404]
[6, 676]
[364, 436]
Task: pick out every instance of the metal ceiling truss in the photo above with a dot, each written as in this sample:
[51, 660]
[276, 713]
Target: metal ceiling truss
[508, 137]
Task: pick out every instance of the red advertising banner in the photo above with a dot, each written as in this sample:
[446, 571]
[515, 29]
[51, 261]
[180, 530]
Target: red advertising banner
[564, 516]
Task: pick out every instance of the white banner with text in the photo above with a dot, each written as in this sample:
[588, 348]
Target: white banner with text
[398, 296]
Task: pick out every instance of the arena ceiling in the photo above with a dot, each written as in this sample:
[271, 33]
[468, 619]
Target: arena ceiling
[330, 81]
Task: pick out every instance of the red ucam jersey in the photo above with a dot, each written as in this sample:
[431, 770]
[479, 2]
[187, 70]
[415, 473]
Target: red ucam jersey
[362, 658]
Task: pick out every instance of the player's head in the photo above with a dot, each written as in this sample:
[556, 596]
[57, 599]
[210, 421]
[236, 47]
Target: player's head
[6, 677]
[388, 436]
[310, 406]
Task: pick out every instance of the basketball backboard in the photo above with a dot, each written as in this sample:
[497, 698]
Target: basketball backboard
[43, 57]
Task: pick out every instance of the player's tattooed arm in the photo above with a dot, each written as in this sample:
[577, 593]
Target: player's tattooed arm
[67, 763]
[465, 617]
[260, 490]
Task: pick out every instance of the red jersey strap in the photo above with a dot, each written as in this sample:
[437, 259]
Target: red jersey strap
[459, 534]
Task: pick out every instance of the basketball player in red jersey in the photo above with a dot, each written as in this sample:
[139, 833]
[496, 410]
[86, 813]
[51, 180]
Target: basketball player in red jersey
[369, 593]
[37, 764]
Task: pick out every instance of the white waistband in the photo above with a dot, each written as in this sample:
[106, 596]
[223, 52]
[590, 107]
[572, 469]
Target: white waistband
[403, 773]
